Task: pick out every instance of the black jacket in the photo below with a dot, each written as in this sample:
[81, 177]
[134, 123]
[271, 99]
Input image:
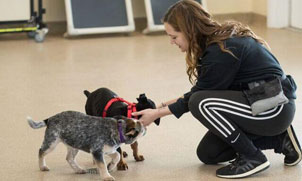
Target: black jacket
[220, 70]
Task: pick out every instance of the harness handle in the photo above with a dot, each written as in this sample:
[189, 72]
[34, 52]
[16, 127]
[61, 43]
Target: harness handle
[130, 108]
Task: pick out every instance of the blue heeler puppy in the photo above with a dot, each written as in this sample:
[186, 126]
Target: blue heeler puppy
[91, 134]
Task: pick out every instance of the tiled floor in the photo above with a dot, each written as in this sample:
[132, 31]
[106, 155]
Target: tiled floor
[42, 79]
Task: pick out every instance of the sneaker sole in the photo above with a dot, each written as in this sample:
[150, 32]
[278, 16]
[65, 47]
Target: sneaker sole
[258, 169]
[295, 142]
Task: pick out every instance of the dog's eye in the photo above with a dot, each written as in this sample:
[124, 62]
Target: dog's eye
[133, 134]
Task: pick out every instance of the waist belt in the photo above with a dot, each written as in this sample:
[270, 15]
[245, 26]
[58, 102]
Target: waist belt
[247, 86]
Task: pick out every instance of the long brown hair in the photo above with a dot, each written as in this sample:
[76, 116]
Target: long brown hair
[200, 30]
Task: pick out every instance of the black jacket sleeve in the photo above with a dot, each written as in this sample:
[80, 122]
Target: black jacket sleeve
[217, 72]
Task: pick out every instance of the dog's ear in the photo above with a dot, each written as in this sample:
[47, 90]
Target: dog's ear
[157, 122]
[142, 98]
[151, 103]
[87, 93]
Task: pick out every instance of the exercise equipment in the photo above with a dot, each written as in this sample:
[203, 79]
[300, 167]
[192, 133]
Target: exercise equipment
[20, 16]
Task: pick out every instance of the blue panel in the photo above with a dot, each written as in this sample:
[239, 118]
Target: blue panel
[99, 13]
[159, 8]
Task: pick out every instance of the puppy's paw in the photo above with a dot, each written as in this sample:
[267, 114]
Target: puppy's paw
[122, 166]
[81, 171]
[92, 171]
[44, 168]
[139, 158]
[109, 178]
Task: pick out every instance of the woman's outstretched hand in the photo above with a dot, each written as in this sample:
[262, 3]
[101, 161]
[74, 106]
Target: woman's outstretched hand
[148, 116]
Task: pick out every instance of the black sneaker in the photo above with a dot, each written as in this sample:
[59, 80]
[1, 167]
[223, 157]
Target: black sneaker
[291, 148]
[244, 166]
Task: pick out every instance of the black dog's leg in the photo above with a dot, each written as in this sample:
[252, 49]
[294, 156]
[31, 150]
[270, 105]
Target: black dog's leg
[122, 165]
[136, 155]
[122, 152]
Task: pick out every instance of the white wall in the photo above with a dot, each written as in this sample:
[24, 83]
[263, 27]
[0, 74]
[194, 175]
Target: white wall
[229, 6]
[55, 9]
[260, 7]
[237, 6]
[296, 14]
[138, 8]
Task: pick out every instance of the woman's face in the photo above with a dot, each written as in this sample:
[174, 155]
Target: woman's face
[176, 38]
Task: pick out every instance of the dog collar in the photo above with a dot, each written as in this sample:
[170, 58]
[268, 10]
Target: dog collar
[120, 131]
[130, 108]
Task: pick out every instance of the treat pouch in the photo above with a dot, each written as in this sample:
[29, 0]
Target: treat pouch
[263, 96]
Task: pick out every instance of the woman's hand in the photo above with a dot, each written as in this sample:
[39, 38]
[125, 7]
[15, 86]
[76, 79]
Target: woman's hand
[148, 116]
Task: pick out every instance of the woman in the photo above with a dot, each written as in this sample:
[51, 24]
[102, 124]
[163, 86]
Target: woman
[225, 62]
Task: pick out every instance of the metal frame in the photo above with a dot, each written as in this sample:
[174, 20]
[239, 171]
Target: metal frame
[71, 30]
[151, 27]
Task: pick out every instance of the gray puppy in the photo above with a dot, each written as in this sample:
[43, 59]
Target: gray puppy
[91, 134]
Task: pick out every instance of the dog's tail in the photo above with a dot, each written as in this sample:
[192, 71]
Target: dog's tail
[36, 125]
[87, 93]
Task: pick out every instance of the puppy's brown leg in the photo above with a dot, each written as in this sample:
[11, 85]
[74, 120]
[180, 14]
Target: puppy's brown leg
[100, 162]
[71, 154]
[122, 165]
[48, 145]
[137, 157]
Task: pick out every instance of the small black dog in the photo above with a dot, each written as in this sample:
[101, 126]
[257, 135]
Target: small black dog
[105, 103]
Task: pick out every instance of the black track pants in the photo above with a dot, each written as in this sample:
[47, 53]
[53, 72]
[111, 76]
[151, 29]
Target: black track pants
[232, 128]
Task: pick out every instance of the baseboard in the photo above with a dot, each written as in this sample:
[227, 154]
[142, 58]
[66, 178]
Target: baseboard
[57, 27]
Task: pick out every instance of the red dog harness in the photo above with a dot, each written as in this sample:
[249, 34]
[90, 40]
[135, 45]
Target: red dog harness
[131, 106]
